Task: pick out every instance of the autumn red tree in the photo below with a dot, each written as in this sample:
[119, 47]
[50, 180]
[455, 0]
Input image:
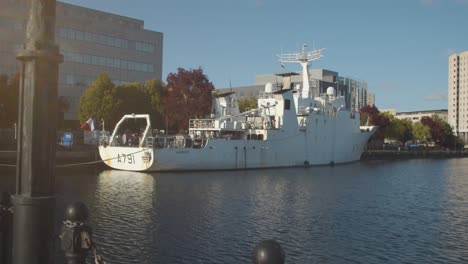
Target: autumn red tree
[371, 115]
[188, 95]
[441, 132]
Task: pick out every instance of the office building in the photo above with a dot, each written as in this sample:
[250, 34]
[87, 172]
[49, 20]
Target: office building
[91, 41]
[244, 92]
[416, 116]
[354, 91]
[390, 111]
[371, 99]
[458, 94]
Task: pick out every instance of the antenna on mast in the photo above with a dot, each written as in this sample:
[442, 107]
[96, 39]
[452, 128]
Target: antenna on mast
[304, 58]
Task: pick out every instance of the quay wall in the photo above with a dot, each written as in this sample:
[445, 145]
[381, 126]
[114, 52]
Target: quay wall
[74, 156]
[62, 156]
[412, 154]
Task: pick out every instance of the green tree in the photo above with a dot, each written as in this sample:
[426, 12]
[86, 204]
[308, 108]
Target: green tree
[154, 90]
[99, 100]
[407, 130]
[421, 132]
[398, 129]
[131, 98]
[247, 104]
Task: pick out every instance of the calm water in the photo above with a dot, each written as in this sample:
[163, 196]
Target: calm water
[370, 212]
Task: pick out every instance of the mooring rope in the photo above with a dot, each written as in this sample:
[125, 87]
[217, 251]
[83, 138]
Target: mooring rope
[82, 163]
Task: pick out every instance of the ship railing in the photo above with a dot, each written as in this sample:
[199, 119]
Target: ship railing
[149, 142]
[263, 95]
[175, 142]
[167, 142]
[327, 112]
[103, 140]
[201, 123]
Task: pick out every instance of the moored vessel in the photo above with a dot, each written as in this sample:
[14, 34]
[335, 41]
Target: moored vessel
[291, 127]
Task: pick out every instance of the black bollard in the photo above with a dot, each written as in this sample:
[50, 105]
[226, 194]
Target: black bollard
[268, 252]
[76, 235]
[6, 228]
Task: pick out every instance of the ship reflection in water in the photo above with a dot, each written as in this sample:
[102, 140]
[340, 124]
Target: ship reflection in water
[123, 208]
[370, 212]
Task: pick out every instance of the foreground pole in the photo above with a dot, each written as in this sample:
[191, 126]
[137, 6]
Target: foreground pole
[34, 202]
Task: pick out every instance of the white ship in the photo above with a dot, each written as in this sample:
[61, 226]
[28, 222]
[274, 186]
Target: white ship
[291, 127]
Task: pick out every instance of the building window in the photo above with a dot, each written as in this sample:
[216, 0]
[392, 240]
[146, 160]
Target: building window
[107, 62]
[72, 34]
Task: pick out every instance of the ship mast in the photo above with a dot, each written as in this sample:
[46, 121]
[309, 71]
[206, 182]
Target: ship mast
[303, 58]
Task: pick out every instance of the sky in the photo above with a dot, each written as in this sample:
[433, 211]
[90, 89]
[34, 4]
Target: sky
[400, 47]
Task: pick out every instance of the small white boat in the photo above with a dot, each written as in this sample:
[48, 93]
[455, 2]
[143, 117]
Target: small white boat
[289, 128]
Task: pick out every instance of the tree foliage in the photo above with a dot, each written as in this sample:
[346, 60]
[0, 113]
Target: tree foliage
[247, 104]
[99, 100]
[108, 102]
[9, 100]
[421, 132]
[370, 115]
[398, 129]
[188, 95]
[154, 90]
[441, 132]
[131, 99]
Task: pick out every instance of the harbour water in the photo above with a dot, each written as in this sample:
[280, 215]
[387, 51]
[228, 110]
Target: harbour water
[413, 211]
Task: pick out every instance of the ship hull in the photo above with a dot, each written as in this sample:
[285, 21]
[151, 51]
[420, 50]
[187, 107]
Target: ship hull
[320, 145]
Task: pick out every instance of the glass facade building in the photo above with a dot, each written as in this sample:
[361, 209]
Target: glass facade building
[91, 41]
[355, 92]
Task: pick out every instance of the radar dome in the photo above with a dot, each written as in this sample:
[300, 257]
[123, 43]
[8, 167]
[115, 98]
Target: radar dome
[268, 88]
[331, 91]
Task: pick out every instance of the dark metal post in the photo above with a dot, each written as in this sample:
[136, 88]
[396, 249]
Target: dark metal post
[76, 236]
[268, 252]
[34, 202]
[6, 226]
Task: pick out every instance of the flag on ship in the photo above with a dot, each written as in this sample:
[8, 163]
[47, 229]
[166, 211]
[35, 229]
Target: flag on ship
[88, 125]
